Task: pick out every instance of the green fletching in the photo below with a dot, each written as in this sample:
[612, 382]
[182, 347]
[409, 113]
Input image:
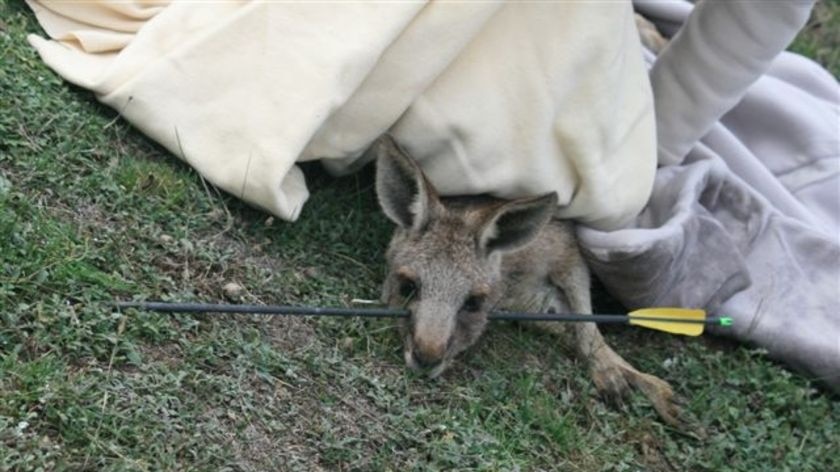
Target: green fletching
[725, 321]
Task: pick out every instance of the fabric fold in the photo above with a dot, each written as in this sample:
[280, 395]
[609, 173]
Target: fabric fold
[678, 254]
[476, 91]
[736, 40]
[745, 220]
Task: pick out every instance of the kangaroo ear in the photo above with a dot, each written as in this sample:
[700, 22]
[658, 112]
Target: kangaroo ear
[516, 223]
[404, 193]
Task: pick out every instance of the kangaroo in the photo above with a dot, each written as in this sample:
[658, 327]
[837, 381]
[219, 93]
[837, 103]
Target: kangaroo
[452, 260]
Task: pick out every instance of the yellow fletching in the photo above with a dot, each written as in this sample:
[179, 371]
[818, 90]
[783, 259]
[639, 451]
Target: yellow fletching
[670, 322]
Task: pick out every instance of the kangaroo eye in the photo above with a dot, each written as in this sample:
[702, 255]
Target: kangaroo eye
[472, 304]
[408, 289]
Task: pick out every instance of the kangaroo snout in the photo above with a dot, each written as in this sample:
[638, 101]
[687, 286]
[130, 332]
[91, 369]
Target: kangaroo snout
[430, 351]
[424, 360]
[423, 352]
[432, 360]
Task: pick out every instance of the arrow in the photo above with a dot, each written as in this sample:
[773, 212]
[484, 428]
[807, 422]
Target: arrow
[688, 322]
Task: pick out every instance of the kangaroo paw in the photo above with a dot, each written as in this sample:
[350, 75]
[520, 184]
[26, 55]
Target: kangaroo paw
[660, 395]
[610, 380]
[613, 377]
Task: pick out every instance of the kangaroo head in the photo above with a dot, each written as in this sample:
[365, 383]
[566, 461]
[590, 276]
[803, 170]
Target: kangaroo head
[444, 260]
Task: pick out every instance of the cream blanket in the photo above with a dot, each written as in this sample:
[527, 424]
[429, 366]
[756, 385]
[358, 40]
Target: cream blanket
[511, 98]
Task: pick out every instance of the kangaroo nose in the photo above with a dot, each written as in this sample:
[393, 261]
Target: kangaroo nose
[424, 360]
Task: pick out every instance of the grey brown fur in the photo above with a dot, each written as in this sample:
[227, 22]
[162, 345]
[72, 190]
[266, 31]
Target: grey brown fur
[452, 260]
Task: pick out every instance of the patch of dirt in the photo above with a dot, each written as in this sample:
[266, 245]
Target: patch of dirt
[289, 333]
[257, 450]
[650, 449]
[305, 426]
[168, 354]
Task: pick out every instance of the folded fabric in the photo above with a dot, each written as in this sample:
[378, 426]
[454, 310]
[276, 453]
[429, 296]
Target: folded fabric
[748, 223]
[722, 49]
[508, 98]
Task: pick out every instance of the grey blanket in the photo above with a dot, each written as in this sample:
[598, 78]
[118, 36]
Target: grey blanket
[746, 221]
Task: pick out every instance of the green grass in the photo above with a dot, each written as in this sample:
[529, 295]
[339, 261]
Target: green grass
[820, 40]
[91, 211]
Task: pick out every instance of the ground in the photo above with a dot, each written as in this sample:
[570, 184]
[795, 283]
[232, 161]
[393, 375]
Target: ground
[91, 211]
